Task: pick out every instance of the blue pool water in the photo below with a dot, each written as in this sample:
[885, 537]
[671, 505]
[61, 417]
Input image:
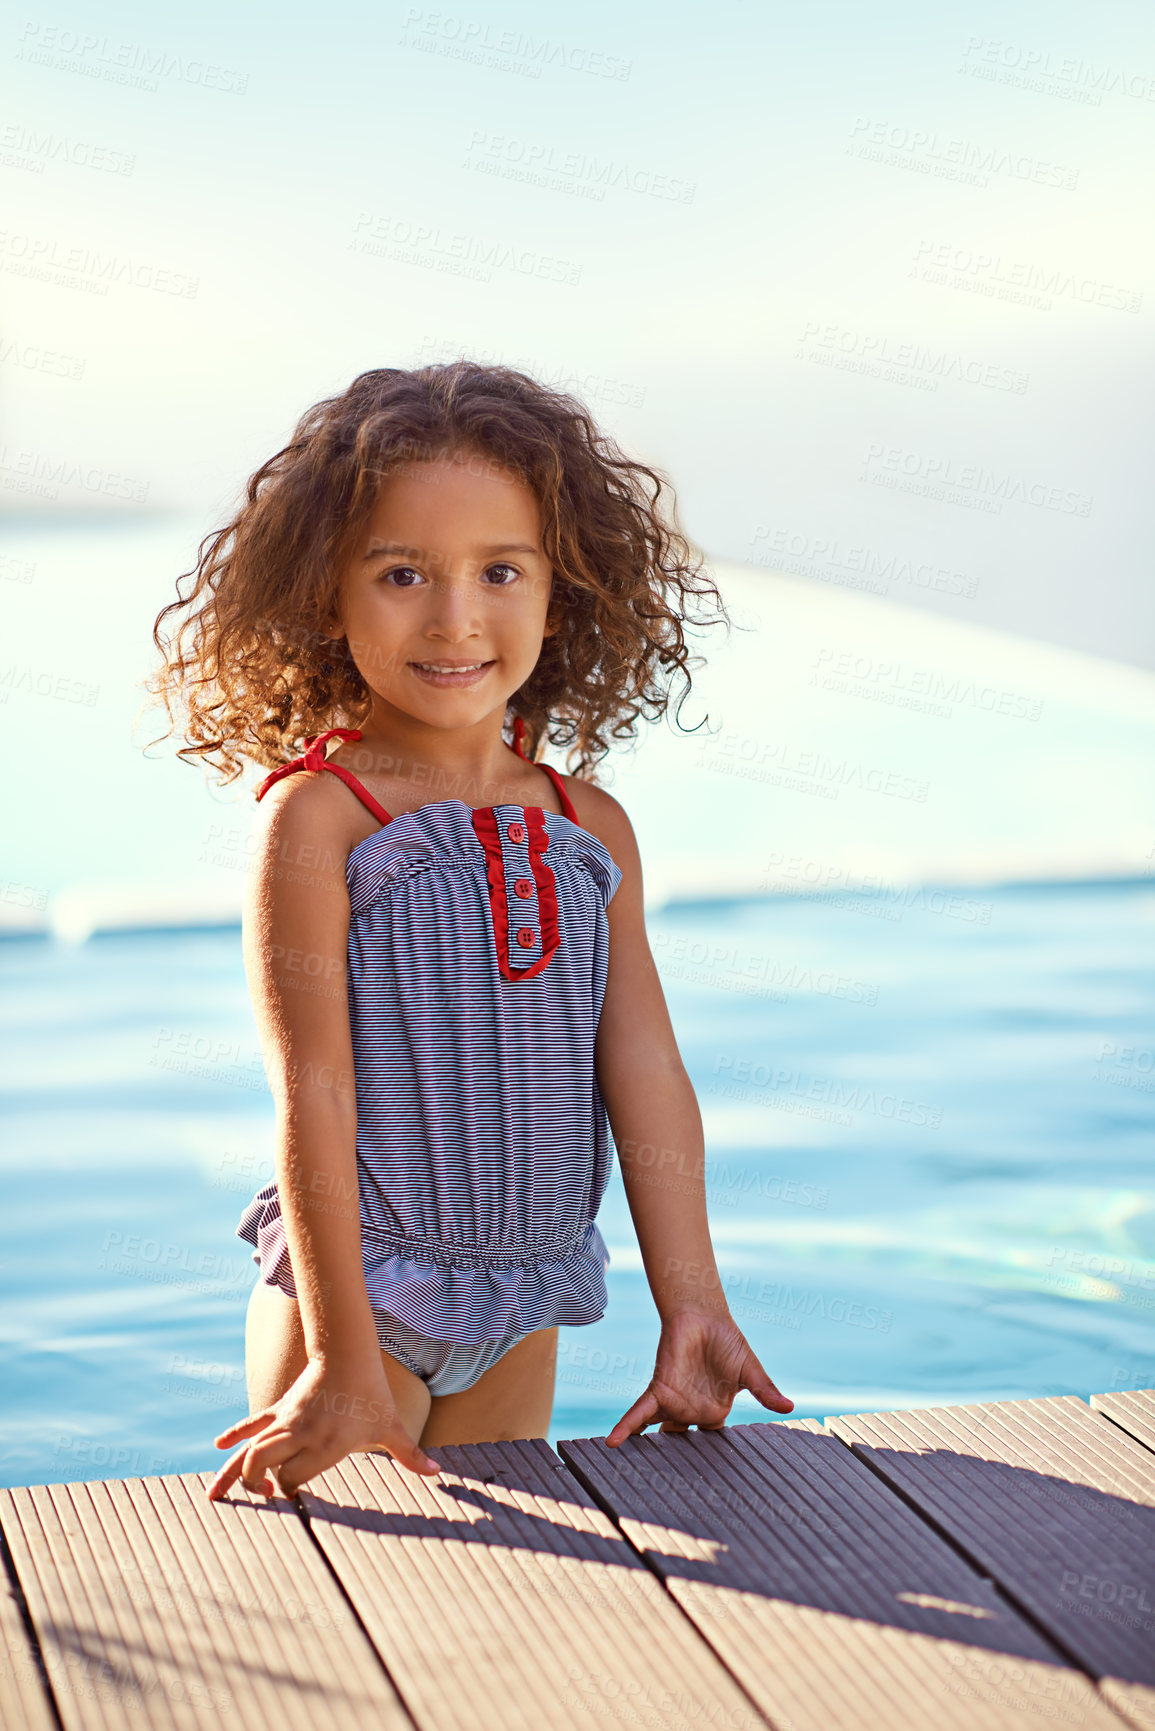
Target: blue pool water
[929, 1141]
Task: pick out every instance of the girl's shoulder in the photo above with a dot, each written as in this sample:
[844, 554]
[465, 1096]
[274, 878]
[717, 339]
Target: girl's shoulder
[310, 816]
[605, 818]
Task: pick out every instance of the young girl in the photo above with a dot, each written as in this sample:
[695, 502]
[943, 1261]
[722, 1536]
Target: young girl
[444, 937]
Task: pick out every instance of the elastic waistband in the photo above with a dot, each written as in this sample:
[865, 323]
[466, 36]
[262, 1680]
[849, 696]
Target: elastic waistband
[473, 1255]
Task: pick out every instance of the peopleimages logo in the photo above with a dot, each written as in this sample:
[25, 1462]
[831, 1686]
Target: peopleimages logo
[883, 356]
[952, 158]
[506, 50]
[1021, 281]
[886, 681]
[538, 161]
[32, 149]
[34, 359]
[735, 753]
[82, 267]
[1014, 62]
[819, 556]
[421, 243]
[990, 484]
[135, 64]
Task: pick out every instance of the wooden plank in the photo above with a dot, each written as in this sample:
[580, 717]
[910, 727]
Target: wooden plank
[1133, 1412]
[24, 1697]
[828, 1598]
[1057, 1505]
[155, 1608]
[501, 1596]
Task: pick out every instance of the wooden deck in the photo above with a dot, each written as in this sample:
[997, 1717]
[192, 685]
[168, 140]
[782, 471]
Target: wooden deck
[968, 1566]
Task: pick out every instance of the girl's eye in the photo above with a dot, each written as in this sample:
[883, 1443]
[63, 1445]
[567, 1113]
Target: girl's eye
[502, 581]
[402, 576]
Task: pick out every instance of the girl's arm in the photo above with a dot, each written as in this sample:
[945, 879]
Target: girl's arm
[703, 1358]
[296, 932]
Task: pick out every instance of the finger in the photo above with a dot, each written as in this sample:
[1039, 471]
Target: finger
[228, 1476]
[245, 1427]
[261, 1466]
[264, 1458]
[643, 1412]
[756, 1380]
[673, 1428]
[406, 1452]
[297, 1471]
[294, 1472]
[237, 1468]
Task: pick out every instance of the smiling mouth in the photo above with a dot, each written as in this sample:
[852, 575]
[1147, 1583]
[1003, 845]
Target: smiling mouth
[451, 672]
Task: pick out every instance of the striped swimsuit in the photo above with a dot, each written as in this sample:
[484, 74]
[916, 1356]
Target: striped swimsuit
[477, 958]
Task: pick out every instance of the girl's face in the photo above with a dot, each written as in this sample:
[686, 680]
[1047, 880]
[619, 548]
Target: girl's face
[444, 604]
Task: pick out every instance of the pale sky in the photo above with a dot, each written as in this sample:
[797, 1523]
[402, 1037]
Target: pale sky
[752, 237]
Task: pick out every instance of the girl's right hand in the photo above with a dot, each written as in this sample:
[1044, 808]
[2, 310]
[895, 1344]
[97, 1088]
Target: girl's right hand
[326, 1414]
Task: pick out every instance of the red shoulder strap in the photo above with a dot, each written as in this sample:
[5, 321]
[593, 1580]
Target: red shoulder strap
[566, 802]
[315, 759]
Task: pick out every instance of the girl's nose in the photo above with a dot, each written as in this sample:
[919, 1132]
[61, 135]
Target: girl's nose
[453, 610]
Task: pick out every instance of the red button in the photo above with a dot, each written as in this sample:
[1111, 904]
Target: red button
[527, 937]
[516, 832]
[523, 888]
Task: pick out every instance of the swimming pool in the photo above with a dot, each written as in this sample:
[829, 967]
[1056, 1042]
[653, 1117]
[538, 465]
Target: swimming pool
[929, 1120]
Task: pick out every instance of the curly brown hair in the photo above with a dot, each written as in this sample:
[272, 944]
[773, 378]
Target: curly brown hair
[248, 662]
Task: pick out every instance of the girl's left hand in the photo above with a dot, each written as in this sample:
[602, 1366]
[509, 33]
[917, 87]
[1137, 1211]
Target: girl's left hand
[703, 1360]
